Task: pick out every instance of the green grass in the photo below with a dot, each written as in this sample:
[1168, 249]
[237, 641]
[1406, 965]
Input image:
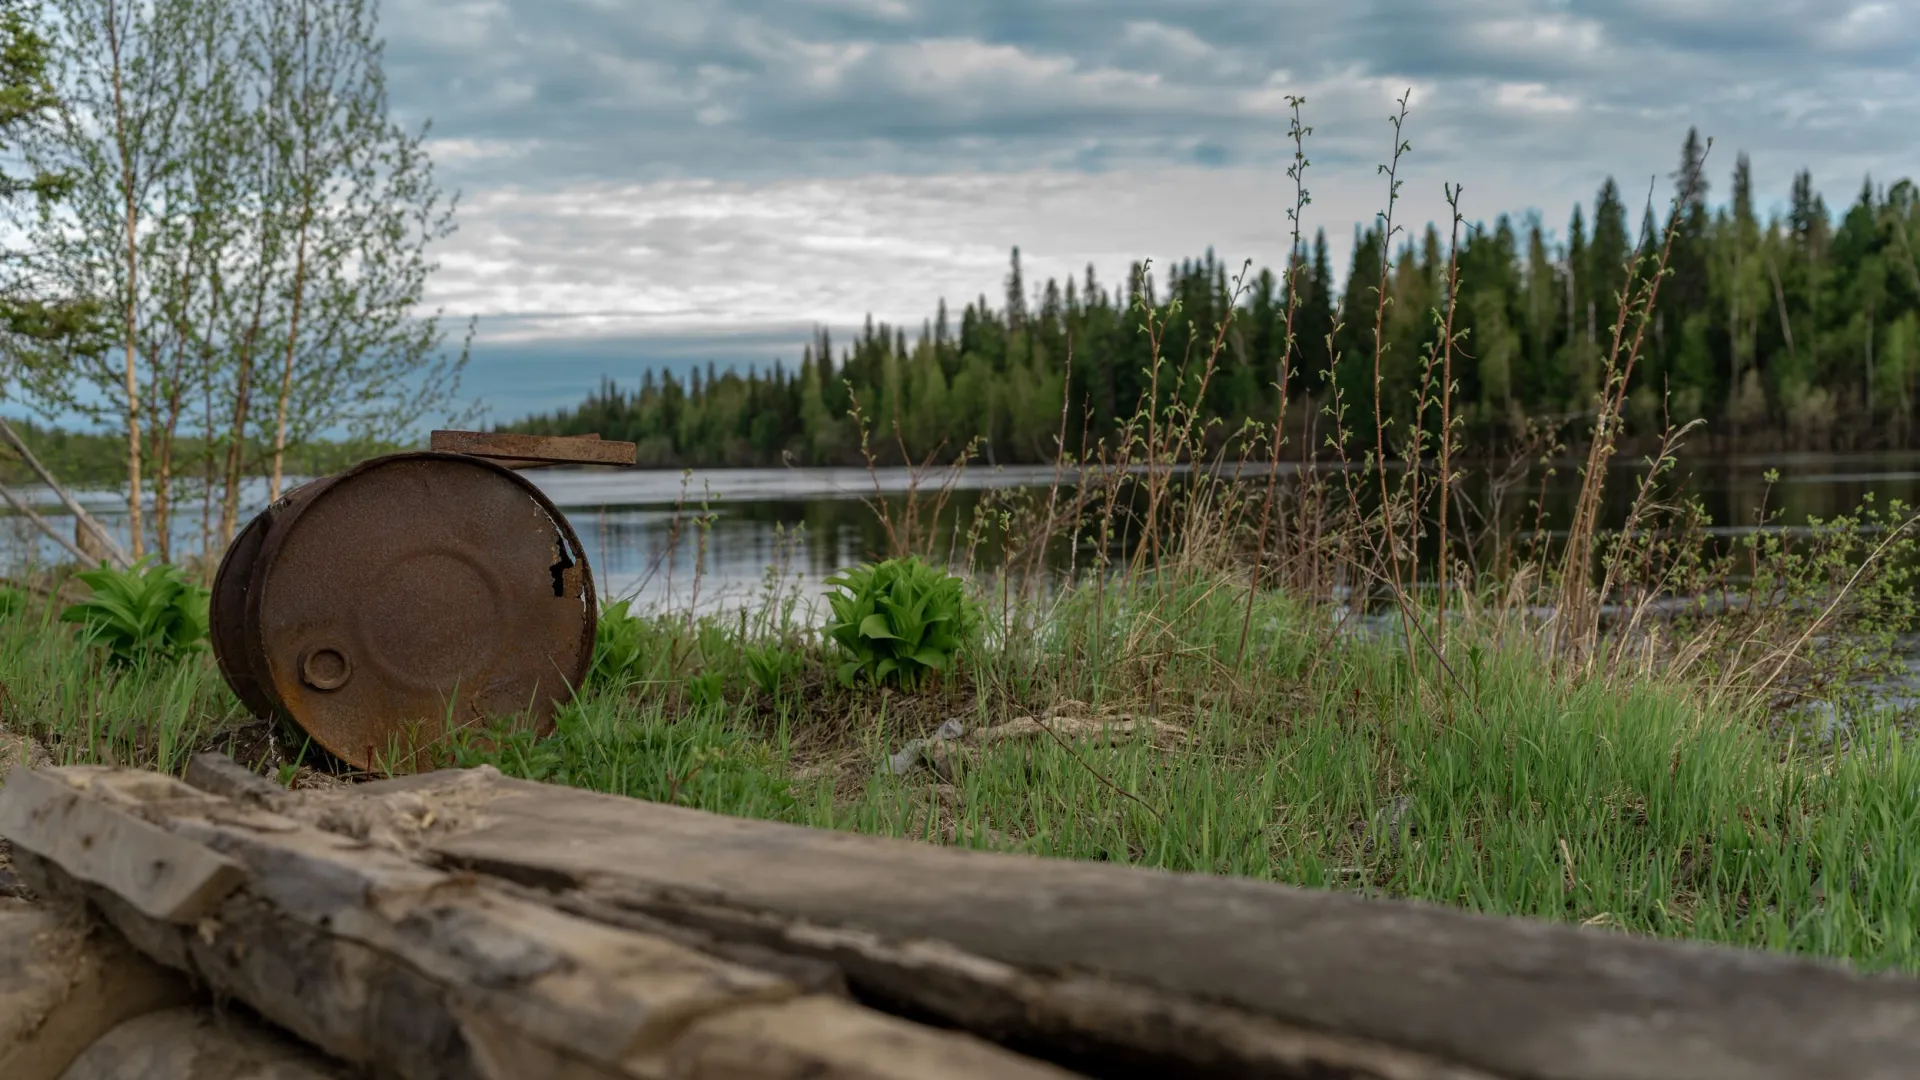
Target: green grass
[1321, 761]
[84, 708]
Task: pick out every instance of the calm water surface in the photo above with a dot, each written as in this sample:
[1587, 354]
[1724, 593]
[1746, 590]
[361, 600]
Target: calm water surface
[646, 531]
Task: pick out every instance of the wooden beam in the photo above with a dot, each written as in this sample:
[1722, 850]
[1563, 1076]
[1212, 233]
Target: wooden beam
[1507, 997]
[158, 873]
[115, 553]
[466, 924]
[405, 970]
[20, 506]
[527, 451]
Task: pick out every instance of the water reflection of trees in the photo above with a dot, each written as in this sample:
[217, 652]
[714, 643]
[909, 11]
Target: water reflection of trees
[814, 538]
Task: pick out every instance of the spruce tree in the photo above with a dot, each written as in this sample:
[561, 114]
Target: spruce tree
[1612, 249]
[1016, 295]
[1313, 322]
[1745, 291]
[1353, 341]
[1687, 288]
[1542, 315]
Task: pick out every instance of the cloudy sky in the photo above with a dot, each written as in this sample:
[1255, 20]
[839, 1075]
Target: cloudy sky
[676, 181]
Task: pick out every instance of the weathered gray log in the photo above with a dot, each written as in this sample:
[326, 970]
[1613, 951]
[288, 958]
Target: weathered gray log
[16, 751]
[463, 924]
[1506, 997]
[64, 983]
[159, 874]
[386, 964]
[195, 1043]
[218, 774]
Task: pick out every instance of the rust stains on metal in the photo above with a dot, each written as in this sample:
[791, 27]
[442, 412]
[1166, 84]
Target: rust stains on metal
[528, 451]
[227, 615]
[410, 595]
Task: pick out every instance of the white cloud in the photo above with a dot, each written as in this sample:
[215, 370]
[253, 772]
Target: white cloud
[1533, 97]
[1872, 26]
[1567, 38]
[881, 9]
[680, 256]
[454, 153]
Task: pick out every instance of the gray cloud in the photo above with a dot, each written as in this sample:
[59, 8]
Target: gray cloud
[648, 173]
[741, 88]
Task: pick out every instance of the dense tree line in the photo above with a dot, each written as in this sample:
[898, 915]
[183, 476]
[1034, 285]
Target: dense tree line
[1799, 330]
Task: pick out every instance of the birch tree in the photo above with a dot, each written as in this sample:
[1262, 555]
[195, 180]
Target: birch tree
[260, 227]
[203, 213]
[361, 209]
[119, 83]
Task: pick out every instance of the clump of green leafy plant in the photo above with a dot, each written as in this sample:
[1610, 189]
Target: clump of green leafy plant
[620, 643]
[771, 667]
[12, 601]
[707, 689]
[142, 614]
[899, 621]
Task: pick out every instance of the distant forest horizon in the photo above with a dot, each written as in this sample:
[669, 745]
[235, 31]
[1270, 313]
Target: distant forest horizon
[1800, 331]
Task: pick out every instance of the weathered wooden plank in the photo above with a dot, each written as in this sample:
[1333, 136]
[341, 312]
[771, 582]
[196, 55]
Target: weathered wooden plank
[195, 1043]
[64, 983]
[16, 751]
[157, 873]
[1510, 997]
[818, 1036]
[217, 774]
[518, 451]
[1093, 1024]
[384, 964]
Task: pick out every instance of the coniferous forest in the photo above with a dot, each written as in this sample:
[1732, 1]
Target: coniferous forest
[1799, 331]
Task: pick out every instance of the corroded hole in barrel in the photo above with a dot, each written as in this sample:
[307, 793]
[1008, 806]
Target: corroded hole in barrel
[561, 564]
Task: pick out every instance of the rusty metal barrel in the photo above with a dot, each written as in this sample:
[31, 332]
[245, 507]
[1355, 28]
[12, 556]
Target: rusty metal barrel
[384, 607]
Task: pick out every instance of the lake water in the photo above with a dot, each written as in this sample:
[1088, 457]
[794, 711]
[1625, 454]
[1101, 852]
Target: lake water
[736, 523]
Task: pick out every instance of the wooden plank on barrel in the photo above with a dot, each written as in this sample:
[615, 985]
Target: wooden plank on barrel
[195, 1043]
[522, 451]
[64, 983]
[1507, 996]
[339, 937]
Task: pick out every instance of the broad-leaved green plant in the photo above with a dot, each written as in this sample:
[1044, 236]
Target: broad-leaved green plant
[899, 621]
[141, 614]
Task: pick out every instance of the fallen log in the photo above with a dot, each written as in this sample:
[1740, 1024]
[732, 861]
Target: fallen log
[465, 924]
[25, 510]
[406, 970]
[1135, 965]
